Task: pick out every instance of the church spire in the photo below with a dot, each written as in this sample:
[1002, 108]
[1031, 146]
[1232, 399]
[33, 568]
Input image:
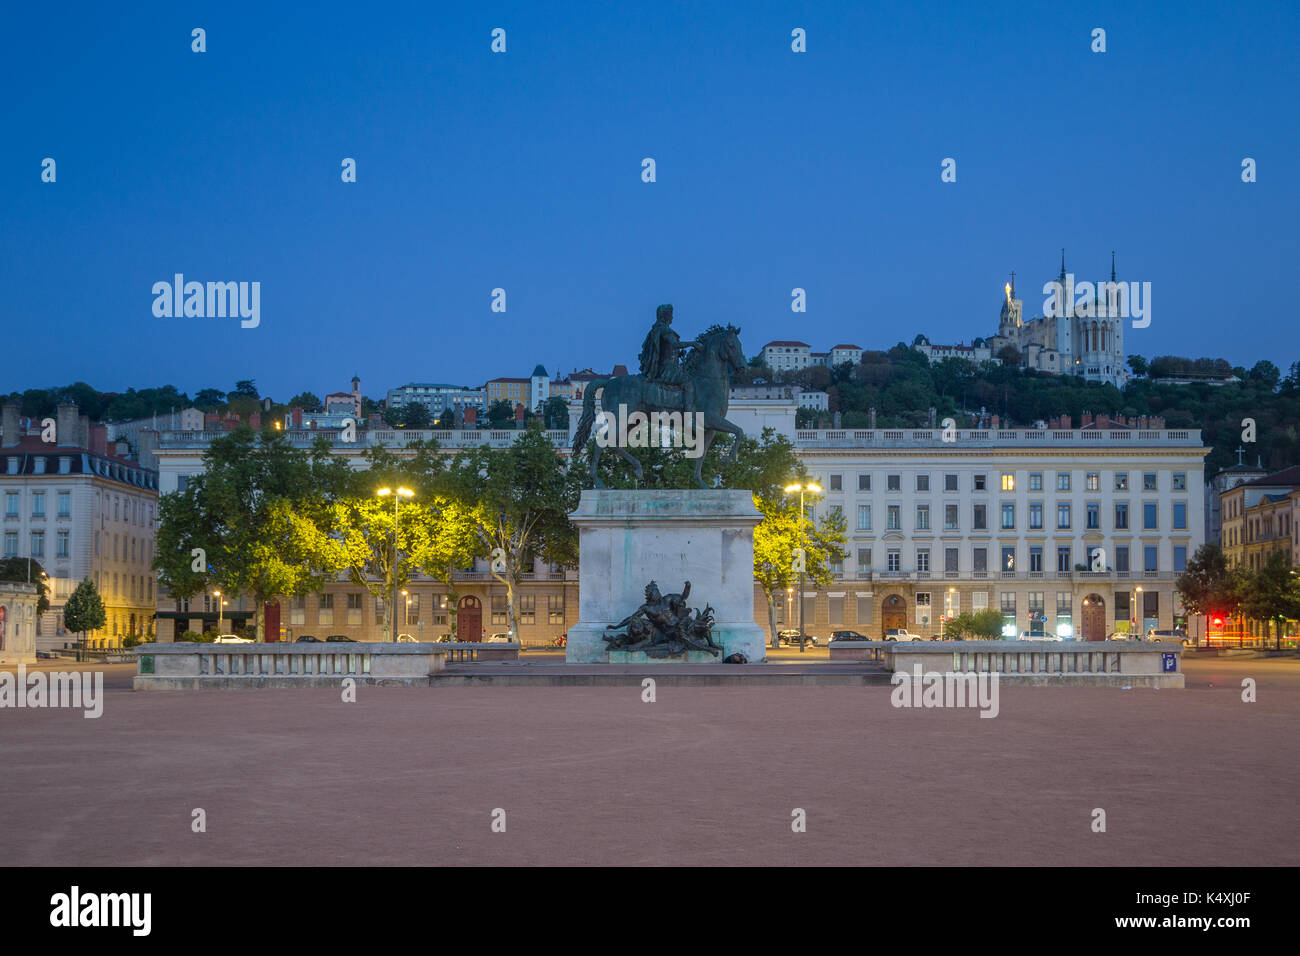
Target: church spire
[1063, 266]
[1112, 265]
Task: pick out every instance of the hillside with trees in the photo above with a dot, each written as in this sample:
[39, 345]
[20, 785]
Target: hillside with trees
[902, 387]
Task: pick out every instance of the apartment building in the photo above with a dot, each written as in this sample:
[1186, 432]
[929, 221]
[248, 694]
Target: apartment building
[785, 355]
[437, 398]
[1259, 517]
[83, 509]
[1078, 533]
[515, 391]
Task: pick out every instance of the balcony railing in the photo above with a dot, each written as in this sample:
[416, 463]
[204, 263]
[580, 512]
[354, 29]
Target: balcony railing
[804, 438]
[1037, 437]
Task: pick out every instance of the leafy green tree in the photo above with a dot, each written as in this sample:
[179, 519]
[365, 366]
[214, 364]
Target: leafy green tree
[1270, 594]
[1208, 585]
[764, 467]
[307, 401]
[210, 399]
[1265, 372]
[28, 571]
[184, 524]
[84, 610]
[416, 415]
[556, 413]
[500, 413]
[1138, 365]
[244, 388]
[435, 535]
[986, 625]
[518, 499]
[260, 512]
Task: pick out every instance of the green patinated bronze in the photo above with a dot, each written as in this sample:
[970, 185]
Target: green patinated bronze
[698, 386]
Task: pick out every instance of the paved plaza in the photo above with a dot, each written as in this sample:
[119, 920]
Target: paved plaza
[704, 775]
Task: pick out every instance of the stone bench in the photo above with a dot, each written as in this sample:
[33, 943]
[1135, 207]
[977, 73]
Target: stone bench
[858, 650]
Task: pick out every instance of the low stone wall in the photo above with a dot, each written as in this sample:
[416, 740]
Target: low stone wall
[1079, 663]
[223, 666]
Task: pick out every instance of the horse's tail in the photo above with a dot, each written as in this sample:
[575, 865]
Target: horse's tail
[583, 431]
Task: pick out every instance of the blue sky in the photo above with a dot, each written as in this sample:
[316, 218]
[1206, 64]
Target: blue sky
[522, 171]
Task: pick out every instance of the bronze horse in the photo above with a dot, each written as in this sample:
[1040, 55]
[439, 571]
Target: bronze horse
[715, 357]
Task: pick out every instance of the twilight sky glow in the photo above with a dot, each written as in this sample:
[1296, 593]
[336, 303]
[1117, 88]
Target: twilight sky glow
[523, 171]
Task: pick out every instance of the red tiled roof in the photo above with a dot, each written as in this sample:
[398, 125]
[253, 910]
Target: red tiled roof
[1287, 476]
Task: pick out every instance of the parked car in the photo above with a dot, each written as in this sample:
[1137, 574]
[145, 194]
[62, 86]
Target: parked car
[230, 639]
[788, 637]
[340, 638]
[901, 634]
[445, 639]
[1174, 636]
[498, 638]
[406, 639]
[1119, 636]
[306, 639]
[848, 636]
[1027, 636]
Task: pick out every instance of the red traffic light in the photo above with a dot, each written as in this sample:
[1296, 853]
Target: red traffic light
[1217, 621]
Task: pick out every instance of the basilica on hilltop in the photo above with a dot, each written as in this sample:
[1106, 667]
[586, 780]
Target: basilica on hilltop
[1090, 346]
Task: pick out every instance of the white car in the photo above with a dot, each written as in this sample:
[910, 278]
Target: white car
[1170, 637]
[901, 634]
[1026, 636]
[497, 639]
[231, 639]
[1119, 636]
[406, 639]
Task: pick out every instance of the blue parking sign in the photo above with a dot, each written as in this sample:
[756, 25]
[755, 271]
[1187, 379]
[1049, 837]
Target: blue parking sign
[1169, 663]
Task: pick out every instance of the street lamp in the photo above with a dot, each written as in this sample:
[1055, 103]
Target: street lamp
[217, 595]
[1137, 611]
[815, 488]
[406, 615]
[397, 494]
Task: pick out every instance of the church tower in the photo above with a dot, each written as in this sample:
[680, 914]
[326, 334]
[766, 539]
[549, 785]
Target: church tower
[1012, 316]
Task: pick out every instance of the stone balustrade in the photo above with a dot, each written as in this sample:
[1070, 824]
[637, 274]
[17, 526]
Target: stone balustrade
[192, 666]
[1080, 663]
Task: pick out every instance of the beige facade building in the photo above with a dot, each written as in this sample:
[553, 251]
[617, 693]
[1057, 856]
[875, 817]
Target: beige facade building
[17, 623]
[1259, 517]
[515, 391]
[82, 509]
[1078, 531]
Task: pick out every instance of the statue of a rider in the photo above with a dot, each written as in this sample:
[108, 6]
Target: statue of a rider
[660, 355]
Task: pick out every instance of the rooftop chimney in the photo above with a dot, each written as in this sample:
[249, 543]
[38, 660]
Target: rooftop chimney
[12, 435]
[68, 425]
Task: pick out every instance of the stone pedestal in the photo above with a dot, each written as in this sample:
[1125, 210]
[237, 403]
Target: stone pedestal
[629, 538]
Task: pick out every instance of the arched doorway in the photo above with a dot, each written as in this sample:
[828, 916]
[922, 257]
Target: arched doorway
[469, 619]
[893, 614]
[1092, 620]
